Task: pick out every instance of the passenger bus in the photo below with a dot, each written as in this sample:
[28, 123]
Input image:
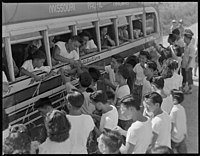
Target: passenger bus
[25, 22]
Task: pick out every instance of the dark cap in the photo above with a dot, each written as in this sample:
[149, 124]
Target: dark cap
[151, 64]
[42, 102]
[188, 33]
[98, 96]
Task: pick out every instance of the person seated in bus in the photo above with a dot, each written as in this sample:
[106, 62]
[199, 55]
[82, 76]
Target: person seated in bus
[30, 67]
[52, 46]
[106, 41]
[88, 45]
[123, 34]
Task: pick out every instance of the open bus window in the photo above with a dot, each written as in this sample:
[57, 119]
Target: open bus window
[123, 31]
[137, 27]
[150, 23]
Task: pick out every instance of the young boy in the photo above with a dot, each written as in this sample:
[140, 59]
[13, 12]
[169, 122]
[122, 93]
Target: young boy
[179, 126]
[109, 118]
[109, 142]
[161, 122]
[81, 124]
[139, 135]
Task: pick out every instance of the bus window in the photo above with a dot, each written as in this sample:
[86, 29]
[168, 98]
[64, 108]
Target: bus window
[123, 31]
[137, 27]
[150, 23]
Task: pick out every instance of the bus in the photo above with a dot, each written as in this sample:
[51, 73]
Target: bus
[23, 23]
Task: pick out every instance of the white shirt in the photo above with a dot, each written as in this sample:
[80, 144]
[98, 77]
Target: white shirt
[28, 65]
[90, 44]
[161, 124]
[146, 87]
[81, 126]
[109, 119]
[140, 135]
[52, 147]
[111, 74]
[180, 42]
[64, 53]
[4, 77]
[178, 117]
[139, 74]
[167, 104]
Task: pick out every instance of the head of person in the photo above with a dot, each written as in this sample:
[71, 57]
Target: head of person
[85, 36]
[110, 96]
[188, 36]
[38, 58]
[176, 32]
[178, 96]
[44, 106]
[18, 141]
[58, 126]
[150, 68]
[174, 22]
[122, 74]
[130, 106]
[36, 44]
[104, 31]
[143, 57]
[99, 99]
[157, 83]
[171, 39]
[180, 22]
[94, 73]
[153, 53]
[109, 142]
[85, 79]
[152, 102]
[74, 42]
[51, 42]
[172, 64]
[160, 150]
[116, 61]
[75, 100]
[5, 120]
[132, 60]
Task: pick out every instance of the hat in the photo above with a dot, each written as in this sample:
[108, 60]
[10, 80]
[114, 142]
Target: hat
[98, 96]
[173, 21]
[188, 33]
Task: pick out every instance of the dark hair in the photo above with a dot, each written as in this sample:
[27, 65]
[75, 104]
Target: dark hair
[58, 125]
[75, 38]
[112, 139]
[85, 33]
[172, 64]
[39, 54]
[154, 97]
[178, 50]
[132, 60]
[178, 95]
[5, 120]
[43, 102]
[131, 78]
[146, 54]
[152, 65]
[176, 31]
[94, 73]
[188, 36]
[118, 58]
[110, 95]
[85, 79]
[98, 96]
[123, 71]
[130, 101]
[172, 37]
[158, 82]
[75, 98]
[160, 150]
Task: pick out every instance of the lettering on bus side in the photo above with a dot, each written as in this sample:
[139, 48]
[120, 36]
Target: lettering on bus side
[120, 4]
[94, 5]
[62, 7]
[91, 59]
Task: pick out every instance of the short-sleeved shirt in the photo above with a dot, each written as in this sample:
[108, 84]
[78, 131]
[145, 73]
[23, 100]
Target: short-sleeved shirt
[189, 51]
[161, 125]
[178, 117]
[90, 44]
[109, 119]
[167, 104]
[139, 74]
[28, 65]
[111, 74]
[64, 53]
[120, 92]
[140, 135]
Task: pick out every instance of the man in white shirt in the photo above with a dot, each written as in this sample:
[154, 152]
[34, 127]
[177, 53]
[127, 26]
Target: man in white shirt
[139, 134]
[109, 118]
[161, 122]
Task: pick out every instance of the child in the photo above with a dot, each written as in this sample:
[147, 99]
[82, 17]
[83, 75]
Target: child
[58, 128]
[109, 142]
[139, 135]
[109, 118]
[34, 65]
[81, 124]
[179, 126]
[161, 122]
[138, 69]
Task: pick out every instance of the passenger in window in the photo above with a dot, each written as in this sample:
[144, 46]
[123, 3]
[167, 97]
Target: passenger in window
[35, 64]
[106, 41]
[88, 45]
[123, 34]
[52, 46]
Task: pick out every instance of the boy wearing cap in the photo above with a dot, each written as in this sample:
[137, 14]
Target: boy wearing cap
[188, 62]
[179, 126]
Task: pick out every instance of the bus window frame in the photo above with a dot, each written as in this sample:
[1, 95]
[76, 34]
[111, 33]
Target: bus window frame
[134, 19]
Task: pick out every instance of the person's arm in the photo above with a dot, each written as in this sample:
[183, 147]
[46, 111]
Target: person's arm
[128, 149]
[108, 83]
[26, 72]
[97, 131]
[121, 131]
[110, 40]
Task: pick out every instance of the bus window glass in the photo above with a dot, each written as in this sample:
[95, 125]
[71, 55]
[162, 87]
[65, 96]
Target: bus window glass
[150, 23]
[137, 27]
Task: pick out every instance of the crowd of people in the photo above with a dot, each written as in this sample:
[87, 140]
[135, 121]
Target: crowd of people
[134, 107]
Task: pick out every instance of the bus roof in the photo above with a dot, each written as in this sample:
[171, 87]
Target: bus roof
[25, 12]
